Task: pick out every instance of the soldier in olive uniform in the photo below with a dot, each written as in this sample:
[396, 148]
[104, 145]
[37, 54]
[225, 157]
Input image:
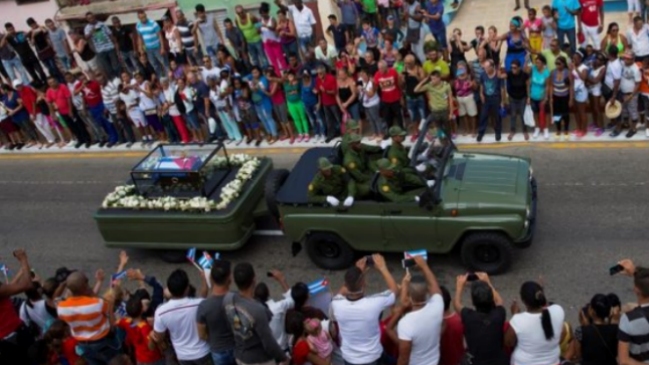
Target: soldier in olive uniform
[397, 153]
[357, 159]
[331, 184]
[396, 187]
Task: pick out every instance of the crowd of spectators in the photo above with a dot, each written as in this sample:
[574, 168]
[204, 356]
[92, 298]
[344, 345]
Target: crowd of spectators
[233, 318]
[266, 77]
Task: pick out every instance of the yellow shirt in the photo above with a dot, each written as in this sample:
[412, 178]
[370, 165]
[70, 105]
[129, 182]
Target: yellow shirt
[440, 65]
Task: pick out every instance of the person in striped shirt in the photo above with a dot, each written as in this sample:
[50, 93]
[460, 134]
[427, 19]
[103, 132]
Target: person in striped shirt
[151, 43]
[90, 319]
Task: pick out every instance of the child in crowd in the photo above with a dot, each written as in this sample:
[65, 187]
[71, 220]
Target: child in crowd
[319, 340]
[296, 106]
[549, 27]
[138, 334]
[534, 25]
[125, 124]
[61, 345]
[247, 113]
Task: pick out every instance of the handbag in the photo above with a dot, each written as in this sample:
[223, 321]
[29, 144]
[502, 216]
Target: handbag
[528, 116]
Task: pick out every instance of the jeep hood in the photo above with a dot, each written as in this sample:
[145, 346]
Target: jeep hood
[488, 179]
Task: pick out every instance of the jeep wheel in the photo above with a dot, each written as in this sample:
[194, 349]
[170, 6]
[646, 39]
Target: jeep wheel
[329, 251]
[274, 182]
[489, 252]
[173, 256]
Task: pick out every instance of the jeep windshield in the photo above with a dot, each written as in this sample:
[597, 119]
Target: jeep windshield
[430, 157]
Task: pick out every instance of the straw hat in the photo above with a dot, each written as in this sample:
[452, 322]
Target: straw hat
[613, 110]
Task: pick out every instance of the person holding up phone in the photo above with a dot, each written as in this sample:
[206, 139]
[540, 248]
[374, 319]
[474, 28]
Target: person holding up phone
[633, 333]
[484, 323]
[15, 337]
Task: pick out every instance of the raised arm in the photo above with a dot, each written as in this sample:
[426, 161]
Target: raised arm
[25, 282]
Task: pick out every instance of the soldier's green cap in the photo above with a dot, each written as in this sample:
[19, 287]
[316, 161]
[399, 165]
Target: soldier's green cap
[384, 164]
[352, 124]
[396, 131]
[355, 137]
[324, 163]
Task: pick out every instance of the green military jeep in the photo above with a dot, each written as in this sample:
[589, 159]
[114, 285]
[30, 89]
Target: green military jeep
[484, 204]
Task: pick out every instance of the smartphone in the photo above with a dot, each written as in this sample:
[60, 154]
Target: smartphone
[408, 263]
[269, 274]
[369, 260]
[615, 269]
[472, 277]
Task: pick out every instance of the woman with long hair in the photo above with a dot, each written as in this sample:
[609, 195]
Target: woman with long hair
[347, 95]
[259, 85]
[536, 333]
[287, 33]
[538, 94]
[614, 38]
[579, 73]
[561, 96]
[292, 88]
[170, 108]
[149, 106]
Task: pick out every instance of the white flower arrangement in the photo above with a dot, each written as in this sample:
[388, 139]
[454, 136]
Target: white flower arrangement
[126, 197]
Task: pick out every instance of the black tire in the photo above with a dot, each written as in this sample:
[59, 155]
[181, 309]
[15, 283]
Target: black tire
[328, 251]
[274, 181]
[489, 252]
[173, 256]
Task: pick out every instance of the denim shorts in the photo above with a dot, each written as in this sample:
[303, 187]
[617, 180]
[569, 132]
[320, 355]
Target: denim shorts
[192, 120]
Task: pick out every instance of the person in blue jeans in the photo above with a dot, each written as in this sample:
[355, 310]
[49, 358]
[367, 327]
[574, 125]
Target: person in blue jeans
[434, 12]
[565, 12]
[492, 95]
[263, 105]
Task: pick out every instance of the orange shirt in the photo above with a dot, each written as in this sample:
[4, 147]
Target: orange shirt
[644, 84]
[87, 317]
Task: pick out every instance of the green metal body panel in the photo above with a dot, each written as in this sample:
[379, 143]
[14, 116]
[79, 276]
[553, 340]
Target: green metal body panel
[493, 194]
[223, 230]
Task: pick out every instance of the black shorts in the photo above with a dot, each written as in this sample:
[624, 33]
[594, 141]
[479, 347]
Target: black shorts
[180, 58]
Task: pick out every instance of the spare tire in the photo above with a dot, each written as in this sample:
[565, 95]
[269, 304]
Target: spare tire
[274, 182]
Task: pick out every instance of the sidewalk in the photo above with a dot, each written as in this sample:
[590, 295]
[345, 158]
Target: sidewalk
[467, 141]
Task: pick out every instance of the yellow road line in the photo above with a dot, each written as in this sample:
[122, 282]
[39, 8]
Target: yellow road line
[299, 150]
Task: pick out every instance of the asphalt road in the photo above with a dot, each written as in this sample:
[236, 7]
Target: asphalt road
[593, 211]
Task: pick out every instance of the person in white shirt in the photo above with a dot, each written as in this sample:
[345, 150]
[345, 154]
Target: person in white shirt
[277, 308]
[638, 38]
[420, 329]
[131, 98]
[357, 315]
[629, 88]
[612, 77]
[535, 334]
[326, 53]
[178, 317]
[304, 23]
[221, 97]
[208, 69]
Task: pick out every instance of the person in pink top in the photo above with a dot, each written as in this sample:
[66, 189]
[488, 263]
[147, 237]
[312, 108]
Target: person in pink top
[534, 25]
[318, 340]
[59, 98]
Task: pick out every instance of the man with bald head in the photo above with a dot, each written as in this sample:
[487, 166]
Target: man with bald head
[90, 319]
[421, 328]
[388, 81]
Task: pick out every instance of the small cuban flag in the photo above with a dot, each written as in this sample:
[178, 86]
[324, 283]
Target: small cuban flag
[118, 276]
[413, 254]
[5, 272]
[318, 286]
[205, 261]
[216, 256]
[191, 254]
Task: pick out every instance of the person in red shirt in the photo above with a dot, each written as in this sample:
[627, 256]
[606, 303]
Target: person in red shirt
[91, 90]
[388, 81]
[451, 345]
[60, 99]
[326, 87]
[591, 21]
[15, 337]
[138, 333]
[29, 97]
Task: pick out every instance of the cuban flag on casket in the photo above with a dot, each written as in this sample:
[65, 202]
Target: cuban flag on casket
[178, 163]
[320, 295]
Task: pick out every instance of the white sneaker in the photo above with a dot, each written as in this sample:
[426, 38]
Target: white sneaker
[71, 143]
[546, 134]
[536, 133]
